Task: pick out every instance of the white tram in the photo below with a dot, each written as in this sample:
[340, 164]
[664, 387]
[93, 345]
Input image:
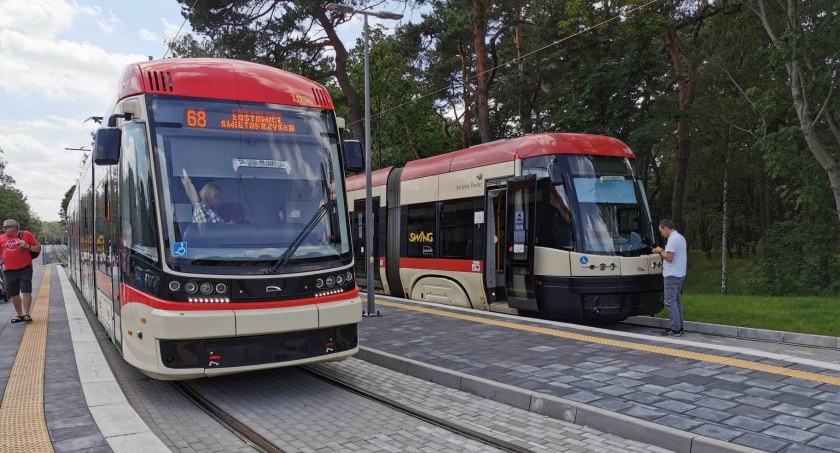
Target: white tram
[549, 225]
[267, 278]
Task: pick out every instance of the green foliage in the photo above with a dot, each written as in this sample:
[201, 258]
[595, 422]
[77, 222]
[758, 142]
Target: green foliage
[801, 257]
[811, 315]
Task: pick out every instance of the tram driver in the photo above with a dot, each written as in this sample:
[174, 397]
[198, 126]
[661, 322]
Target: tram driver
[204, 201]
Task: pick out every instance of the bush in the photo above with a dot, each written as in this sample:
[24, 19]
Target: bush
[801, 257]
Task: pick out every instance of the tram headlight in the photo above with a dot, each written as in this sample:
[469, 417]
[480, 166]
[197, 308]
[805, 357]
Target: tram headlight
[319, 283]
[339, 279]
[191, 287]
[330, 281]
[348, 276]
[174, 286]
[206, 288]
[221, 288]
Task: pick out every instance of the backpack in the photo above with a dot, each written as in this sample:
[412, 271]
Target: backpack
[34, 254]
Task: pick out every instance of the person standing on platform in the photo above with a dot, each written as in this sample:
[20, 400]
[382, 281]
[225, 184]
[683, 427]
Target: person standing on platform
[17, 258]
[674, 264]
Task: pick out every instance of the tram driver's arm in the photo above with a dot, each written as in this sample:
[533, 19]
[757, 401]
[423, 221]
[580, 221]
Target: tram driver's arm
[189, 188]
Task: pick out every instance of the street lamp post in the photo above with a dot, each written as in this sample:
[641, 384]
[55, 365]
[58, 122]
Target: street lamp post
[347, 9]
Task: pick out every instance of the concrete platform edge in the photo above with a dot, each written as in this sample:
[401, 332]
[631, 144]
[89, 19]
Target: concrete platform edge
[747, 333]
[555, 407]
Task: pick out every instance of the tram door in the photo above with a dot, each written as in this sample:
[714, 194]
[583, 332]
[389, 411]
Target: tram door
[495, 226]
[359, 241]
[519, 250]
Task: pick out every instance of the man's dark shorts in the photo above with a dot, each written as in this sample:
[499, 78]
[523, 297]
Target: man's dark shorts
[18, 281]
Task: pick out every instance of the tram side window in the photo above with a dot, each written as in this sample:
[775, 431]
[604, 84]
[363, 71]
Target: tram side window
[137, 201]
[456, 229]
[420, 231]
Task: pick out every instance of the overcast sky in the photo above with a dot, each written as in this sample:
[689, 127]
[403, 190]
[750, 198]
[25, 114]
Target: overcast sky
[59, 64]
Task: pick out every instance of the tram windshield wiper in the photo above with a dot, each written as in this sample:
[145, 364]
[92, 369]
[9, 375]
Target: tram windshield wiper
[284, 258]
[322, 210]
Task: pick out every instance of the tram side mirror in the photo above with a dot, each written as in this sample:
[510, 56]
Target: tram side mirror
[353, 160]
[555, 174]
[106, 146]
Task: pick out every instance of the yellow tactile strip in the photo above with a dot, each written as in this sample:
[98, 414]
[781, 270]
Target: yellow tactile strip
[22, 424]
[740, 363]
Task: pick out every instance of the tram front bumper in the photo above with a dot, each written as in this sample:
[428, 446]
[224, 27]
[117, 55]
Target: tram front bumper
[608, 298]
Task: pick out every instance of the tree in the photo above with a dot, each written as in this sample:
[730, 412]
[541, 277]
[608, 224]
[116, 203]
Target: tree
[285, 34]
[800, 34]
[65, 203]
[13, 203]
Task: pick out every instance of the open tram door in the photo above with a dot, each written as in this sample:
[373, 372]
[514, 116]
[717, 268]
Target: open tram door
[519, 242]
[495, 209]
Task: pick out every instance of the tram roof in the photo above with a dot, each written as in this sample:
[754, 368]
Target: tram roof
[377, 178]
[522, 147]
[217, 78]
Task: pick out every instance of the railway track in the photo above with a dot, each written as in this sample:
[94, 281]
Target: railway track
[262, 444]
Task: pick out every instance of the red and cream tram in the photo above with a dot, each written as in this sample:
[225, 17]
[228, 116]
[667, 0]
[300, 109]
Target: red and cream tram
[209, 230]
[548, 225]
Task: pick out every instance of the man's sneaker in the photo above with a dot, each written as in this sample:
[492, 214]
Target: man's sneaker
[672, 333]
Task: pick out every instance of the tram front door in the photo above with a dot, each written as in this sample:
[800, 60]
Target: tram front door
[361, 258]
[519, 242]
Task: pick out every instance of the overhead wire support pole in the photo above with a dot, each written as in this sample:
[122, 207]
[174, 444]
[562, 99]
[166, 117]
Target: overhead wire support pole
[369, 257]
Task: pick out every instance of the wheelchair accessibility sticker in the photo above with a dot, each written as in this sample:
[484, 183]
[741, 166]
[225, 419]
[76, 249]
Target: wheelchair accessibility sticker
[179, 249]
[584, 260]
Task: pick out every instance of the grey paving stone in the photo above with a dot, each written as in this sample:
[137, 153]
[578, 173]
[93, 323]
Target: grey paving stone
[709, 414]
[678, 422]
[717, 432]
[826, 442]
[763, 403]
[674, 406]
[752, 411]
[83, 443]
[715, 403]
[748, 423]
[797, 411]
[794, 422]
[834, 408]
[827, 429]
[792, 434]
[760, 442]
[827, 417]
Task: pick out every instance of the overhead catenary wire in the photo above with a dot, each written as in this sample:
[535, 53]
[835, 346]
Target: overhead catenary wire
[553, 43]
[179, 31]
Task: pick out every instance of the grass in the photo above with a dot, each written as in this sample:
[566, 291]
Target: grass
[702, 302]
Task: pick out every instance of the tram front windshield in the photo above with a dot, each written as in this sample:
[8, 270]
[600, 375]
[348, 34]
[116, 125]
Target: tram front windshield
[242, 182]
[613, 215]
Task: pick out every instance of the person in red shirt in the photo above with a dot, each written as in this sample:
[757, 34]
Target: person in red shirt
[17, 260]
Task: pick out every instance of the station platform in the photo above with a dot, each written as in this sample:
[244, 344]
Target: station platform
[693, 393]
[65, 389]
[58, 392]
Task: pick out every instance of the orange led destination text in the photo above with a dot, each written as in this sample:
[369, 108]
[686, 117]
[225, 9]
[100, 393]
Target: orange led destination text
[257, 122]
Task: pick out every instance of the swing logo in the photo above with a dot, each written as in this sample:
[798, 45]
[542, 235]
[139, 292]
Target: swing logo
[421, 237]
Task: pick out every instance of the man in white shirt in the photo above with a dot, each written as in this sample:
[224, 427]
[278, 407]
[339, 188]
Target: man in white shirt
[674, 263]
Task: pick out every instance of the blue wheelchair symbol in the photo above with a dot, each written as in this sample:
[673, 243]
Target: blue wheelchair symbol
[584, 260]
[179, 249]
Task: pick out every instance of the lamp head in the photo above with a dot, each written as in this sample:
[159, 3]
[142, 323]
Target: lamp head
[341, 8]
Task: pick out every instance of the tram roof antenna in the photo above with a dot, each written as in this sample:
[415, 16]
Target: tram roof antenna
[98, 119]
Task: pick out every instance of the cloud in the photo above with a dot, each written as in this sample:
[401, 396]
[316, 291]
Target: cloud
[43, 170]
[147, 35]
[59, 70]
[43, 19]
